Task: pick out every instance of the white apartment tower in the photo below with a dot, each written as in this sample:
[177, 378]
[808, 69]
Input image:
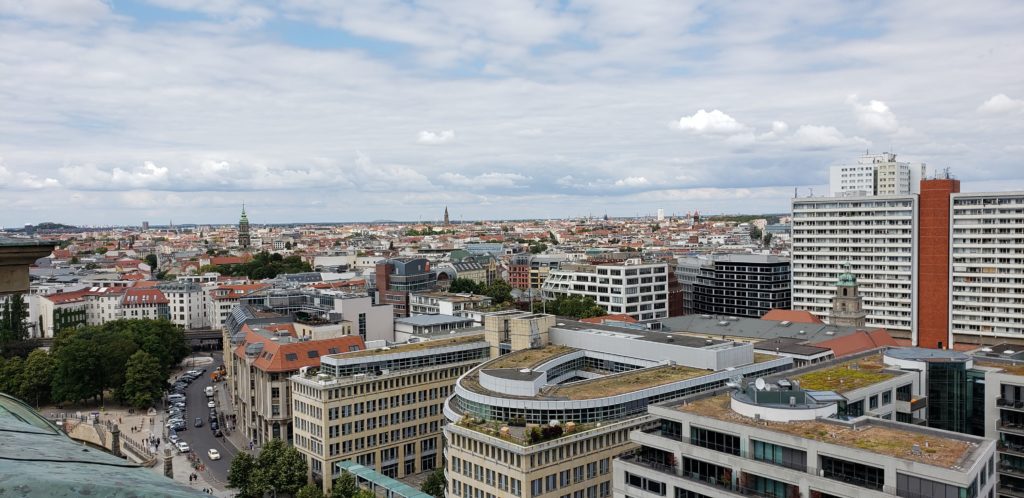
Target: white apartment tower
[875, 174]
[987, 288]
[633, 287]
[877, 235]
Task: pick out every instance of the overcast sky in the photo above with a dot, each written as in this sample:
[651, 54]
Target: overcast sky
[114, 112]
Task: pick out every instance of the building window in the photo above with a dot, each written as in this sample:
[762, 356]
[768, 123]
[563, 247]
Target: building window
[858, 474]
[705, 438]
[780, 455]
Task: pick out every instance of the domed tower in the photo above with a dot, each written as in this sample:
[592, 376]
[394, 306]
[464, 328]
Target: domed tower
[243, 230]
[847, 305]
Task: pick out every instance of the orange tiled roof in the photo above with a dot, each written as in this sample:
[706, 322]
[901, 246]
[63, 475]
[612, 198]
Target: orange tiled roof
[290, 356]
[795, 316]
[141, 296]
[859, 341]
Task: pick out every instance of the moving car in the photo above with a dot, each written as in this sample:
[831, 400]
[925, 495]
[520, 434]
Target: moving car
[199, 422]
[213, 454]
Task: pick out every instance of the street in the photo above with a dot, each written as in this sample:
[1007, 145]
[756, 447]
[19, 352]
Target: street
[201, 439]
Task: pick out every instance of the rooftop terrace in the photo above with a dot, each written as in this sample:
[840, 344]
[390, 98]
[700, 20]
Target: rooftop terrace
[868, 435]
[1008, 367]
[847, 376]
[529, 358]
[411, 347]
[613, 385]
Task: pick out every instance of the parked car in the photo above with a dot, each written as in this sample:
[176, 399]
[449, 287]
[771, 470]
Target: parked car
[182, 447]
[214, 426]
[211, 404]
[218, 433]
[213, 454]
[173, 438]
[209, 391]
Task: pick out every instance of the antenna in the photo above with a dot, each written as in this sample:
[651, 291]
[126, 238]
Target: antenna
[759, 384]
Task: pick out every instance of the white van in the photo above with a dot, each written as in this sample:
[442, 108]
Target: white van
[209, 391]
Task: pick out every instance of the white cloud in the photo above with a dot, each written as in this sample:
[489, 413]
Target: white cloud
[485, 180]
[999, 104]
[22, 180]
[716, 122]
[632, 182]
[530, 132]
[57, 11]
[427, 137]
[823, 137]
[874, 116]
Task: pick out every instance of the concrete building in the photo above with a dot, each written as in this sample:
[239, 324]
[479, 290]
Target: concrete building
[847, 305]
[878, 236]
[547, 418]
[742, 285]
[187, 303]
[398, 277]
[223, 298]
[633, 287]
[381, 408]
[875, 174]
[529, 271]
[264, 357]
[418, 326]
[687, 271]
[782, 441]
[446, 303]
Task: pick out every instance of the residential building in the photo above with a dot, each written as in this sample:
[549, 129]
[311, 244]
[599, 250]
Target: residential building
[380, 408]
[742, 285]
[877, 236]
[987, 266]
[633, 287]
[187, 303]
[547, 418]
[222, 299]
[875, 174]
[529, 271]
[779, 440]
[264, 357]
[397, 278]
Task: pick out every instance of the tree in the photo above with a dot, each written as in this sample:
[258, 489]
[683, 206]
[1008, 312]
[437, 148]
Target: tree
[151, 261]
[768, 239]
[464, 285]
[36, 377]
[78, 366]
[499, 290]
[143, 381]
[280, 468]
[575, 307]
[755, 233]
[538, 247]
[309, 491]
[288, 246]
[240, 475]
[13, 312]
[435, 484]
[344, 486]
[101, 250]
[74, 260]
[10, 372]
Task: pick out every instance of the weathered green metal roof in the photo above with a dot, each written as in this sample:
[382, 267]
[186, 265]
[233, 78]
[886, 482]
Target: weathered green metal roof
[39, 460]
[398, 489]
[847, 278]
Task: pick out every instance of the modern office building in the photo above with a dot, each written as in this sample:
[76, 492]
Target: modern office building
[634, 287]
[877, 236]
[547, 418]
[747, 285]
[446, 303]
[529, 271]
[397, 278]
[1004, 412]
[380, 408]
[781, 440]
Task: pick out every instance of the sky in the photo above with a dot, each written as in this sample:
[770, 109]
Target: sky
[114, 112]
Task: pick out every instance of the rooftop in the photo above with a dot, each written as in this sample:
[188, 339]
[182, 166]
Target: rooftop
[626, 382]
[414, 346]
[528, 358]
[426, 320]
[847, 376]
[867, 434]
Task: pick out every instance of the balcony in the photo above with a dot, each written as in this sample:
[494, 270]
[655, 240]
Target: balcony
[1011, 448]
[1013, 427]
[1005, 489]
[1009, 469]
[723, 482]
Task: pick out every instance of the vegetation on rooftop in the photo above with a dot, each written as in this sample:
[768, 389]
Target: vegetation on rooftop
[499, 290]
[847, 376]
[622, 383]
[517, 431]
[529, 358]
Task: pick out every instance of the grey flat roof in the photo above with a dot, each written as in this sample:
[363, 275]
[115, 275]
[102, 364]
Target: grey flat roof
[432, 320]
[791, 346]
[664, 337]
[755, 328]
[922, 354]
[514, 373]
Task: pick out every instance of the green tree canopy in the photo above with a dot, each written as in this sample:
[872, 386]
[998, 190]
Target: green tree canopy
[344, 486]
[575, 307]
[36, 377]
[280, 468]
[435, 484]
[240, 475]
[464, 285]
[10, 373]
[263, 265]
[144, 381]
[13, 316]
[151, 261]
[309, 491]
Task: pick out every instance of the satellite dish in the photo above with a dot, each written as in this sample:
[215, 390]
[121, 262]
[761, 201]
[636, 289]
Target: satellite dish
[759, 384]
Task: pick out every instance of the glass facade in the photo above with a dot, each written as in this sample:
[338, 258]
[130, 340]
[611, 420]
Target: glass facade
[780, 455]
[857, 474]
[948, 396]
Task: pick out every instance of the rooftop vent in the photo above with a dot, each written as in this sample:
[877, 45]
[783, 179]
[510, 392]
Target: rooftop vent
[830, 332]
[524, 370]
[802, 332]
[705, 316]
[1009, 351]
[723, 323]
[785, 323]
[916, 449]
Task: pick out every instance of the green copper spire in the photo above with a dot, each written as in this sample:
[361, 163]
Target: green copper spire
[847, 278]
[244, 218]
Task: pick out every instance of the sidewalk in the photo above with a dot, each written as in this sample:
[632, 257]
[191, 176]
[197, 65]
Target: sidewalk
[236, 438]
[182, 469]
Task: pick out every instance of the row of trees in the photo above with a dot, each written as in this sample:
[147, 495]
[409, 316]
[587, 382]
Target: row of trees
[575, 307]
[499, 290]
[263, 265]
[280, 470]
[133, 358]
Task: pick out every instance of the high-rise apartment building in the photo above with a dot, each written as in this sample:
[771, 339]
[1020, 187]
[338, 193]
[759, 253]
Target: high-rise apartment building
[875, 174]
[546, 419]
[380, 408]
[747, 285]
[634, 287]
[877, 236]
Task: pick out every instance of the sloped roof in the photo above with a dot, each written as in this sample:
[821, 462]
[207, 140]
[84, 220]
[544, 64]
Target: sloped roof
[795, 316]
[859, 341]
[286, 354]
[135, 295]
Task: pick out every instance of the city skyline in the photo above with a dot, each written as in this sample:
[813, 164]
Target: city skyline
[118, 112]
